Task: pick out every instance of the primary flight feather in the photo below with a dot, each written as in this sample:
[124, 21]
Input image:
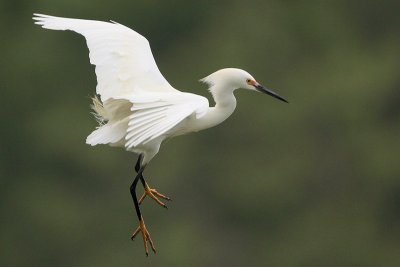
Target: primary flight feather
[138, 108]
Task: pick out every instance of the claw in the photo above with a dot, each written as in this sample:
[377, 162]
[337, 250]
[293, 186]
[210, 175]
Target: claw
[154, 194]
[145, 235]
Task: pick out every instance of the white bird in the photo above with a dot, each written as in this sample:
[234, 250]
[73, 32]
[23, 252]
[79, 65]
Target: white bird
[138, 109]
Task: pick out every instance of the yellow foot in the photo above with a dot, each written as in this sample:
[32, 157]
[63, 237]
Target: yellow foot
[145, 235]
[154, 195]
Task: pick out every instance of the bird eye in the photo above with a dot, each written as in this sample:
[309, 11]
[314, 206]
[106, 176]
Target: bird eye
[248, 81]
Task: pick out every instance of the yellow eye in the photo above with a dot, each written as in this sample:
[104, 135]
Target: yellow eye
[248, 81]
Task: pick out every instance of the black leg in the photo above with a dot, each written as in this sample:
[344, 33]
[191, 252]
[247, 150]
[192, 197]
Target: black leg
[133, 193]
[148, 191]
[137, 168]
[141, 228]
[138, 163]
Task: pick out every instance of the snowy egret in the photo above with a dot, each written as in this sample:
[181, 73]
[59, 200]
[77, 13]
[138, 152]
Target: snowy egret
[138, 109]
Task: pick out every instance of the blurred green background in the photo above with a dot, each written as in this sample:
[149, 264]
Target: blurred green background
[312, 183]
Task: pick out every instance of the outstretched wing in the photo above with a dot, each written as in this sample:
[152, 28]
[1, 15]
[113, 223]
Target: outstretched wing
[153, 117]
[124, 63]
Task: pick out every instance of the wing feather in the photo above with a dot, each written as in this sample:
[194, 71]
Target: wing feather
[109, 133]
[124, 62]
[140, 128]
[127, 74]
[152, 119]
[144, 120]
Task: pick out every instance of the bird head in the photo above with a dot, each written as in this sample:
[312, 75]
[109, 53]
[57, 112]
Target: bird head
[236, 78]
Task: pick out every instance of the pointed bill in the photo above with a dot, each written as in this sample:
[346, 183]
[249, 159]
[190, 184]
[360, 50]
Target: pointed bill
[267, 91]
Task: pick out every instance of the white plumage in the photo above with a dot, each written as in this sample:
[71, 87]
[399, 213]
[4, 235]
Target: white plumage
[123, 59]
[138, 108]
[139, 104]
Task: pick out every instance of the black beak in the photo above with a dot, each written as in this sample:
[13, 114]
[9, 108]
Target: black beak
[262, 89]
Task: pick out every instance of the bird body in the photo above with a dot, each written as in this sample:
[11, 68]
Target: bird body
[138, 109]
[140, 124]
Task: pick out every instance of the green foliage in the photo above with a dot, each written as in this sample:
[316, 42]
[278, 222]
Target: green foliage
[312, 183]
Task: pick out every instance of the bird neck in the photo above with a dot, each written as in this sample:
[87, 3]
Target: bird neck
[225, 104]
